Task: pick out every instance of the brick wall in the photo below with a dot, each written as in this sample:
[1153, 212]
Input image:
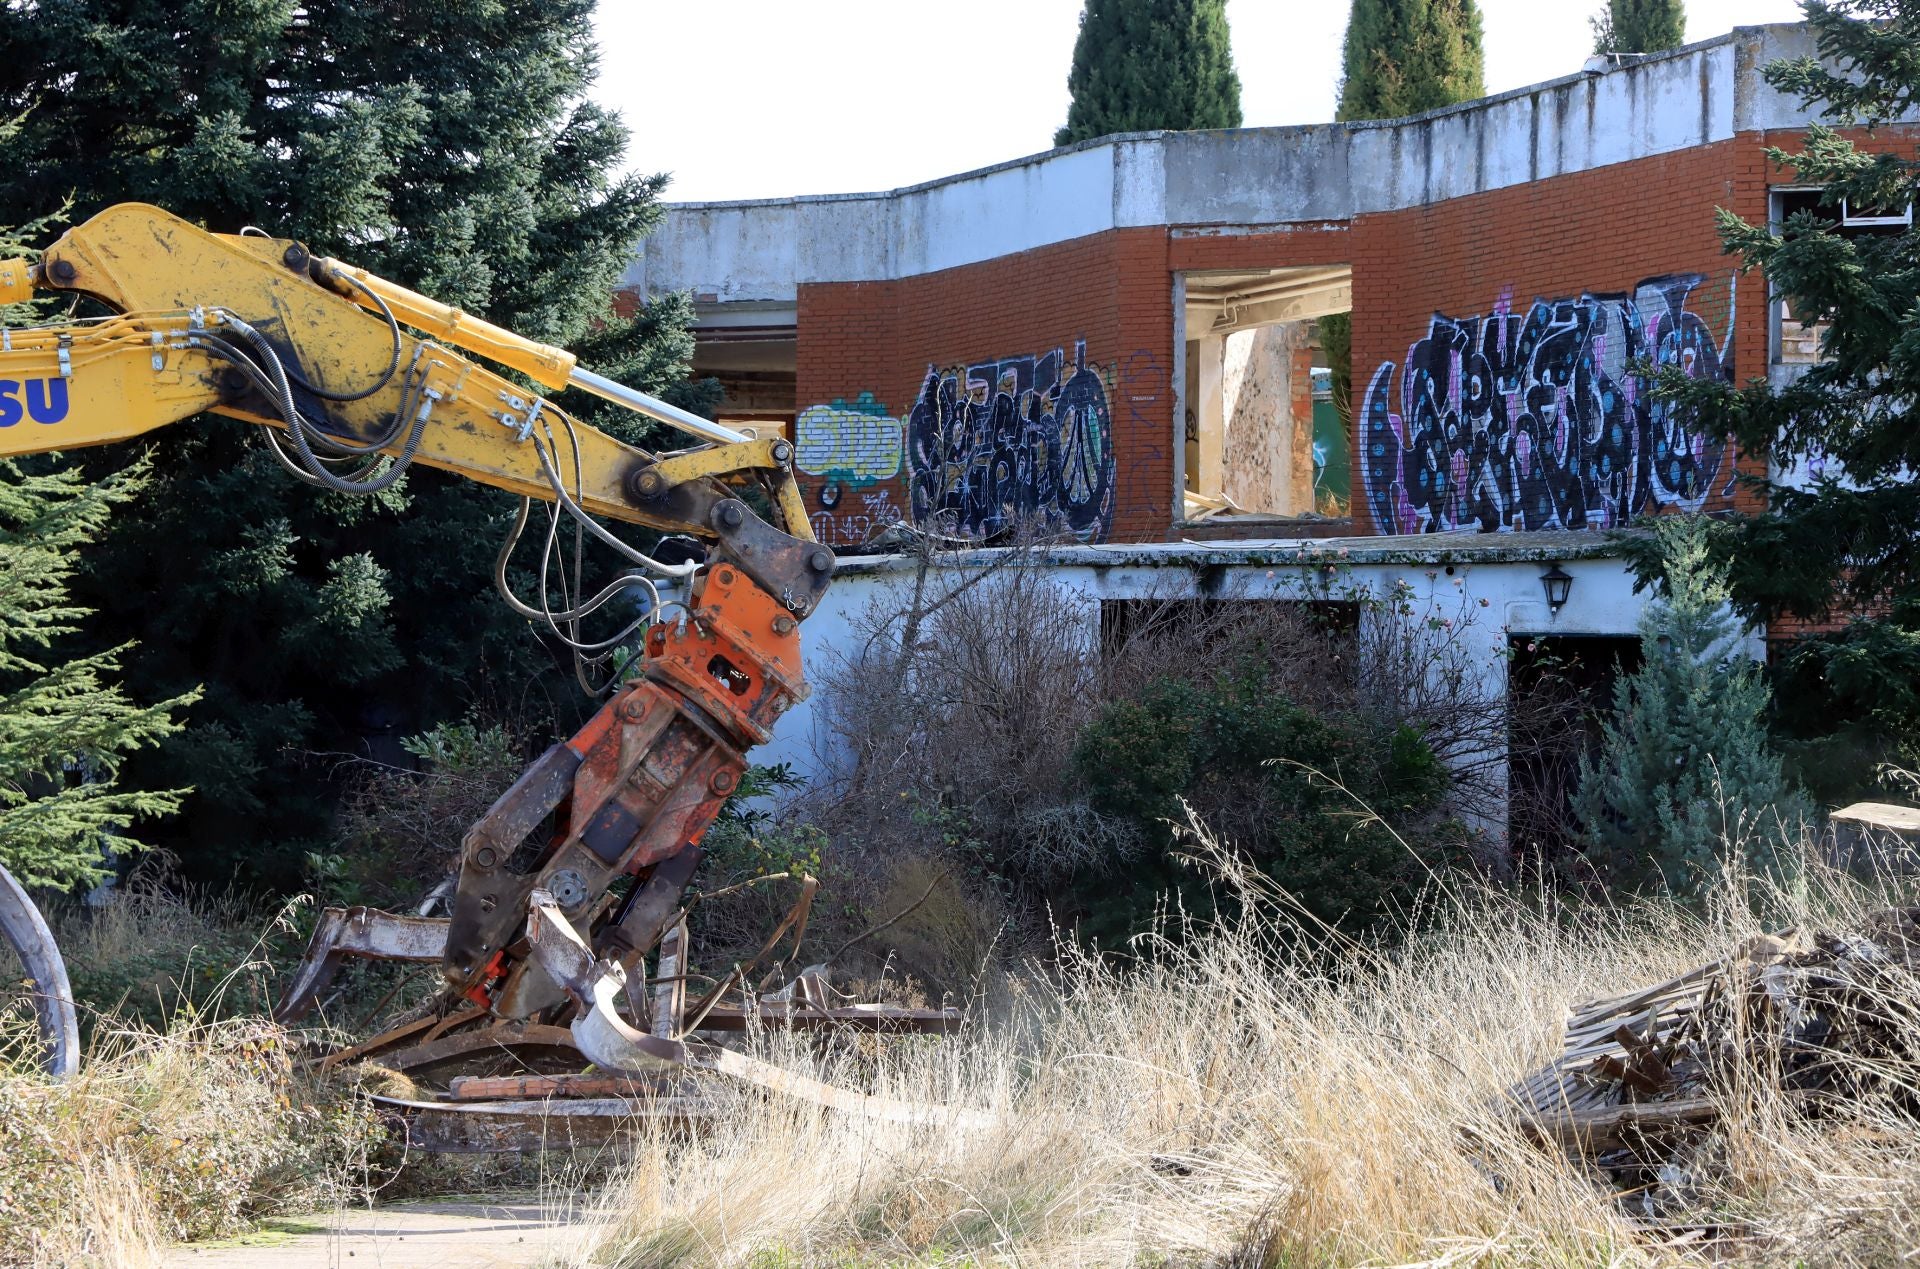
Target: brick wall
[1083, 326]
[974, 327]
[1622, 255]
[1626, 257]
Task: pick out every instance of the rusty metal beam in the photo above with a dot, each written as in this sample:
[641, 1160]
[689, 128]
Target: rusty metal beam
[484, 1088]
[505, 1036]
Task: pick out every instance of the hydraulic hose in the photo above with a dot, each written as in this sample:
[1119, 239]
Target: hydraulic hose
[297, 423]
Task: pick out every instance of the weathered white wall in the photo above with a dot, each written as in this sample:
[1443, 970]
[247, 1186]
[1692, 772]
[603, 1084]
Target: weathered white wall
[1267, 454]
[763, 250]
[1444, 578]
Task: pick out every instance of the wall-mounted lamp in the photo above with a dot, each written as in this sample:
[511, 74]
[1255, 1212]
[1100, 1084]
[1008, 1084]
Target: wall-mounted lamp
[1559, 584]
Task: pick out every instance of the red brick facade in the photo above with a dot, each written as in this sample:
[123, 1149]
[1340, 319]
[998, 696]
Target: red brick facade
[1105, 302]
[1597, 232]
[1107, 296]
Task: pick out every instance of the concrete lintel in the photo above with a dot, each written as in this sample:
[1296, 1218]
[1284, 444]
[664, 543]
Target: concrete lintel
[1464, 547]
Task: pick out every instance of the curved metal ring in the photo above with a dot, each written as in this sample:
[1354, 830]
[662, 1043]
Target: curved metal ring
[23, 927]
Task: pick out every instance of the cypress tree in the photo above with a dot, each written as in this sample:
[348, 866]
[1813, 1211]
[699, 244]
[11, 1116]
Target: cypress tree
[1685, 769]
[1640, 26]
[1406, 56]
[448, 146]
[1140, 65]
[1401, 57]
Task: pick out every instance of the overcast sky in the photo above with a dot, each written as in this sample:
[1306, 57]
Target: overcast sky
[767, 98]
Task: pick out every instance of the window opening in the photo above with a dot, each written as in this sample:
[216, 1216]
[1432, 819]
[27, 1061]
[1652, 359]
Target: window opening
[1261, 436]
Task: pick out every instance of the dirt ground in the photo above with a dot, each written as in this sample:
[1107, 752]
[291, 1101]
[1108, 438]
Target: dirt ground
[406, 1236]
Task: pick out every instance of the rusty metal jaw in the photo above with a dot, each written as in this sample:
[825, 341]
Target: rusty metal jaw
[367, 933]
[606, 1039]
[629, 793]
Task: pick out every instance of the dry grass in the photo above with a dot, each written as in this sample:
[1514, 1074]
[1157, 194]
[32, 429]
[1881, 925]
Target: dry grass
[185, 1129]
[1265, 1095]
[1261, 1093]
[163, 1138]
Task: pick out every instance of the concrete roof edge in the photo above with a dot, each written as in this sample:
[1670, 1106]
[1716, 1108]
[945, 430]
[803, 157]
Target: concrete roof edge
[1562, 81]
[1119, 138]
[1007, 165]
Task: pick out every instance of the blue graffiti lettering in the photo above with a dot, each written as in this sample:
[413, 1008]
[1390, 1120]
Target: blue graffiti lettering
[1544, 419]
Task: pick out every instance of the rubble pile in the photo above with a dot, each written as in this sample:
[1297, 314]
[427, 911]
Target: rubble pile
[1829, 1021]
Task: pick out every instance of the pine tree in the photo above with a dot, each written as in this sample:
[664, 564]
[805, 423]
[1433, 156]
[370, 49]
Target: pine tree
[1406, 56]
[1640, 26]
[1837, 550]
[1685, 771]
[1140, 65]
[65, 724]
[447, 146]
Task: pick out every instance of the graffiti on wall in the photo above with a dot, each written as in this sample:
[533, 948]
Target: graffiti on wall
[849, 520]
[850, 445]
[1022, 438]
[1544, 419]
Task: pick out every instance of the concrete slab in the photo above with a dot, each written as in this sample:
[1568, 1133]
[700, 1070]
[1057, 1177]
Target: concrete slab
[405, 1236]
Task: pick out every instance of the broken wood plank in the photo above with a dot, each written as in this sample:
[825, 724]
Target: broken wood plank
[1597, 1128]
[468, 1088]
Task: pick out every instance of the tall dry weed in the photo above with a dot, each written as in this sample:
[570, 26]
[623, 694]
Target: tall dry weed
[183, 1129]
[1267, 1092]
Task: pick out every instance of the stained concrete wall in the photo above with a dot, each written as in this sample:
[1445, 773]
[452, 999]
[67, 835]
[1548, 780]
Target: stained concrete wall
[1267, 451]
[765, 249]
[1483, 589]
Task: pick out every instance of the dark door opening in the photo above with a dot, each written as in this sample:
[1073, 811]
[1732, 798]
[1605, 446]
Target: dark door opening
[1559, 689]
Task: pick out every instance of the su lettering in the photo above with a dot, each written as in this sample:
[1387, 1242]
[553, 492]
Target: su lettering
[43, 400]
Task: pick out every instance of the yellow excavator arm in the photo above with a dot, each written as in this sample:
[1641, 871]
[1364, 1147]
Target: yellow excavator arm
[354, 379]
[347, 366]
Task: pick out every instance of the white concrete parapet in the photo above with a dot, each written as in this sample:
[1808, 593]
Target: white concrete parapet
[764, 249]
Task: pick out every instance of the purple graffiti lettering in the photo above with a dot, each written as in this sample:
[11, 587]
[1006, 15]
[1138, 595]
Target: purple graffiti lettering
[1543, 420]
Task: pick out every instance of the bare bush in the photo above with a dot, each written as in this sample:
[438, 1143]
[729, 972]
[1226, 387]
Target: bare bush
[191, 1115]
[955, 717]
[399, 829]
[1426, 664]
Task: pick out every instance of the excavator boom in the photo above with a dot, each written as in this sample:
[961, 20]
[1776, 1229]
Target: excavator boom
[348, 371]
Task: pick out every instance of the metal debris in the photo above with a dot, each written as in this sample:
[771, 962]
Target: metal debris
[22, 927]
[612, 1043]
[367, 933]
[585, 1077]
